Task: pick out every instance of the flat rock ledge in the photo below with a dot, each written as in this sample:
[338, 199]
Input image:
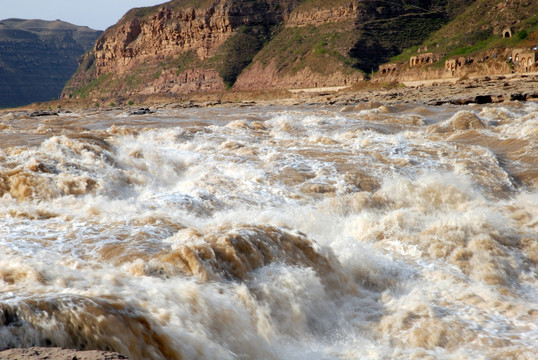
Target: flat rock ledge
[40, 353]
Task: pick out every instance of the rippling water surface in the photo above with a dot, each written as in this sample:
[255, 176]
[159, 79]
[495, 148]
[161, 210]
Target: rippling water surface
[273, 233]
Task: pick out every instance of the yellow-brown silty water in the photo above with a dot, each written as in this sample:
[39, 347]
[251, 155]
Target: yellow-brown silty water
[273, 232]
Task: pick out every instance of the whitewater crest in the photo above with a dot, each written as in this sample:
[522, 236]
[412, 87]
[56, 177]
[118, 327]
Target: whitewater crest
[272, 232]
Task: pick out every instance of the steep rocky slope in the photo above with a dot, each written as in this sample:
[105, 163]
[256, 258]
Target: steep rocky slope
[186, 46]
[180, 47]
[37, 57]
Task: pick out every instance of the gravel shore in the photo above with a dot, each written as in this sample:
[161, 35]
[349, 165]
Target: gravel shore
[39, 353]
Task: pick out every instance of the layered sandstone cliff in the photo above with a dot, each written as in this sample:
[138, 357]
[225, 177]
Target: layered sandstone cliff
[177, 48]
[166, 33]
[186, 46]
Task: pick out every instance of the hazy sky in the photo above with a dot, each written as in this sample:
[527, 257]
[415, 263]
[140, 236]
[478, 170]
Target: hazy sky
[97, 14]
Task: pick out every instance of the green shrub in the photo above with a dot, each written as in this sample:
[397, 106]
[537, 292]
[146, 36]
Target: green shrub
[521, 35]
[320, 47]
[85, 90]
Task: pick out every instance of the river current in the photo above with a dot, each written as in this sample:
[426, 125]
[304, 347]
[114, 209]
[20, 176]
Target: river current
[311, 232]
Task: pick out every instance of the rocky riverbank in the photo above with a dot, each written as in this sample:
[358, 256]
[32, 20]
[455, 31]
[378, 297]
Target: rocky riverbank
[39, 353]
[478, 90]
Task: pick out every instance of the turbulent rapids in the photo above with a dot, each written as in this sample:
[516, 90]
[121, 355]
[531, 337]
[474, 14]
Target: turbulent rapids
[273, 232]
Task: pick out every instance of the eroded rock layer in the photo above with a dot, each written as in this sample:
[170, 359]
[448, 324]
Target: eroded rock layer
[186, 46]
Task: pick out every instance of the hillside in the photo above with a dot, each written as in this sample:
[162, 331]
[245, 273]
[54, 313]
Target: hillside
[479, 41]
[481, 25]
[37, 58]
[186, 46]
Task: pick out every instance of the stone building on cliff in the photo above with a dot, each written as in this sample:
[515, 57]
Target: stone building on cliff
[427, 58]
[453, 65]
[524, 59]
[386, 69]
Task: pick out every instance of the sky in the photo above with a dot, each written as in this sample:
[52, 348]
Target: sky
[97, 14]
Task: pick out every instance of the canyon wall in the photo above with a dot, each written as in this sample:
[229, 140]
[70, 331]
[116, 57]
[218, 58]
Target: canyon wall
[37, 58]
[187, 46]
[174, 49]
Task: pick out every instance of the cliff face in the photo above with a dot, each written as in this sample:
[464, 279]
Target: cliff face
[177, 48]
[37, 58]
[311, 50]
[324, 43]
[166, 33]
[185, 46]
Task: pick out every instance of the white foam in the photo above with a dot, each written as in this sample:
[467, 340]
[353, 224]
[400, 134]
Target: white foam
[437, 244]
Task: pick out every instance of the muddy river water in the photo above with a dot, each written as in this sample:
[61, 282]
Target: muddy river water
[273, 232]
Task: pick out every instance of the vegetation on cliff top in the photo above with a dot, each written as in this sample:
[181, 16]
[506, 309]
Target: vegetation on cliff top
[143, 12]
[306, 5]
